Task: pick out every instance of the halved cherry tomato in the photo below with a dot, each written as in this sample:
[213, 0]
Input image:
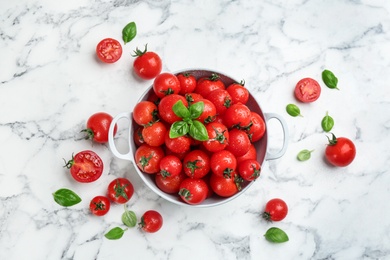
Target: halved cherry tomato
[109, 50]
[98, 125]
[85, 166]
[99, 205]
[307, 90]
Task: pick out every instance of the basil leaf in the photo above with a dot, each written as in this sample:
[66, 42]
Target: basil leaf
[329, 79]
[198, 131]
[115, 233]
[276, 235]
[293, 110]
[304, 155]
[179, 128]
[180, 109]
[129, 32]
[196, 109]
[327, 123]
[66, 197]
[129, 218]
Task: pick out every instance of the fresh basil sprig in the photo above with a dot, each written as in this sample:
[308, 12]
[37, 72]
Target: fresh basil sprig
[276, 235]
[188, 124]
[327, 123]
[129, 218]
[304, 155]
[329, 79]
[115, 233]
[66, 197]
[129, 32]
[293, 110]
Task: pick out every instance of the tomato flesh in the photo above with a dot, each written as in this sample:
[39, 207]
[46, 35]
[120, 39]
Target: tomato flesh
[85, 166]
[307, 90]
[109, 50]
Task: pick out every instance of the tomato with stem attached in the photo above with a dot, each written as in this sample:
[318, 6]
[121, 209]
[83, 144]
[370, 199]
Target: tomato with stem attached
[147, 158]
[151, 221]
[120, 190]
[97, 127]
[85, 166]
[166, 84]
[275, 210]
[340, 151]
[147, 64]
[249, 170]
[99, 205]
[193, 191]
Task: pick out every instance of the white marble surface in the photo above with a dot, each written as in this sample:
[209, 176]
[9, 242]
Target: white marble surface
[50, 82]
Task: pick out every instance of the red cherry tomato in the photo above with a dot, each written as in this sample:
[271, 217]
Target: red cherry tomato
[99, 205]
[257, 128]
[145, 112]
[237, 115]
[147, 65]
[207, 84]
[238, 93]
[109, 50]
[166, 84]
[193, 191]
[221, 100]
[178, 145]
[85, 166]
[148, 158]
[151, 221]
[251, 154]
[275, 210]
[239, 142]
[223, 163]
[340, 151]
[154, 134]
[307, 90]
[187, 83]
[209, 111]
[193, 97]
[218, 137]
[196, 164]
[169, 185]
[249, 170]
[165, 108]
[97, 127]
[170, 166]
[225, 186]
[120, 190]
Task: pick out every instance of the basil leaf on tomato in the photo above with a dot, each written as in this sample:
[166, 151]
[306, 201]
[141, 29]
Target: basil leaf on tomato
[198, 131]
[129, 32]
[276, 235]
[115, 233]
[179, 128]
[329, 79]
[66, 197]
[181, 110]
[196, 109]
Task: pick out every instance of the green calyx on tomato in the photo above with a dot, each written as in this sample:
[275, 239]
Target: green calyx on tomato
[185, 193]
[120, 190]
[188, 124]
[145, 160]
[138, 52]
[192, 166]
[332, 141]
[214, 77]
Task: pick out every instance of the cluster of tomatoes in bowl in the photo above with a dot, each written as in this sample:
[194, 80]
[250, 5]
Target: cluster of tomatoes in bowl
[196, 136]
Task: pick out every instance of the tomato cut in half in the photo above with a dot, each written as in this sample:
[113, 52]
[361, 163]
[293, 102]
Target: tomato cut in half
[109, 50]
[85, 166]
[307, 90]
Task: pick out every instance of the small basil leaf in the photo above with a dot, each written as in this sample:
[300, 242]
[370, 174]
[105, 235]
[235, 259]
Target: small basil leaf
[196, 109]
[293, 110]
[129, 32]
[276, 235]
[66, 197]
[198, 131]
[115, 233]
[180, 109]
[129, 218]
[179, 128]
[327, 123]
[329, 79]
[304, 155]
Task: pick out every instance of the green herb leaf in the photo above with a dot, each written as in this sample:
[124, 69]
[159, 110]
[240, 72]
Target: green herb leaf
[196, 109]
[327, 123]
[198, 131]
[329, 79]
[304, 155]
[129, 218]
[276, 235]
[181, 110]
[129, 32]
[66, 197]
[179, 128]
[115, 233]
[293, 110]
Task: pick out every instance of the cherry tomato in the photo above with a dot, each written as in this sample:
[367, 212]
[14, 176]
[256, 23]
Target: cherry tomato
[307, 90]
[178, 145]
[275, 210]
[218, 137]
[209, 111]
[207, 84]
[256, 129]
[225, 186]
[147, 65]
[196, 164]
[109, 50]
[169, 185]
[99, 205]
[137, 136]
[251, 154]
[165, 107]
[97, 127]
[187, 83]
[85, 166]
[223, 163]
[151, 221]
[221, 100]
[166, 84]
[148, 158]
[154, 134]
[120, 190]
[238, 93]
[239, 142]
[193, 97]
[145, 112]
[170, 166]
[193, 191]
[340, 151]
[237, 115]
[249, 170]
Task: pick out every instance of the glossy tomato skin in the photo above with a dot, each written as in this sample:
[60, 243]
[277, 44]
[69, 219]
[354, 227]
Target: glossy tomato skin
[249, 170]
[147, 65]
[193, 97]
[205, 85]
[237, 115]
[224, 186]
[187, 83]
[86, 166]
[97, 127]
[238, 93]
[145, 112]
[257, 128]
[209, 111]
[223, 163]
[99, 205]
[221, 100]
[151, 221]
[251, 154]
[307, 90]
[193, 191]
[120, 190]
[275, 210]
[148, 158]
[109, 50]
[165, 107]
[166, 84]
[239, 142]
[218, 137]
[178, 145]
[196, 164]
[169, 184]
[137, 136]
[340, 151]
[154, 134]
[170, 166]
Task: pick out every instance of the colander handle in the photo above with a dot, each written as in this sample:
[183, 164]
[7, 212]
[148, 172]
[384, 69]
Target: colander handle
[113, 148]
[282, 151]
